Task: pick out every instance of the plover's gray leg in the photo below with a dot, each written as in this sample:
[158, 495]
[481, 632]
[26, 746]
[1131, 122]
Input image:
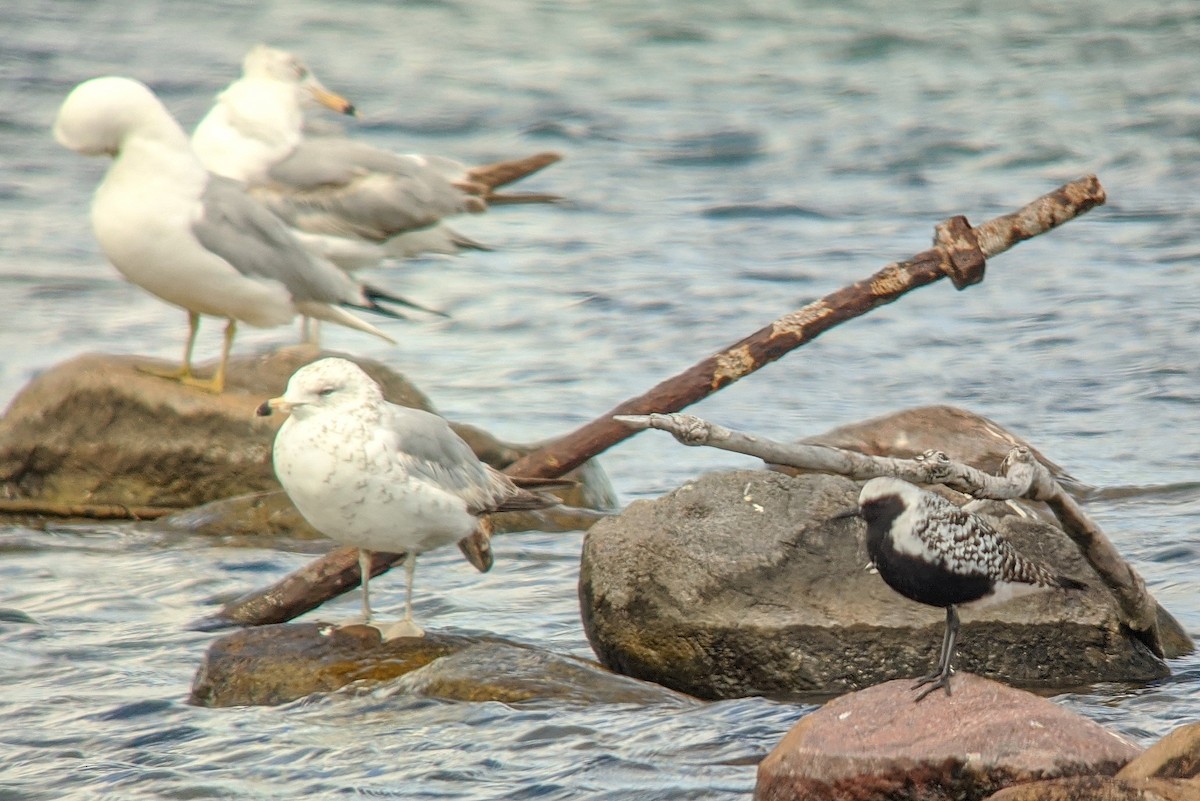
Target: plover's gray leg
[941, 676]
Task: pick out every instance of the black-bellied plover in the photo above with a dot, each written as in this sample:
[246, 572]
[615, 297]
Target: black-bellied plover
[931, 551]
[382, 477]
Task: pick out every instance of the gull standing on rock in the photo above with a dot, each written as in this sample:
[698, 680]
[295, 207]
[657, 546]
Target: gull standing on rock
[932, 552]
[383, 477]
[354, 203]
[197, 240]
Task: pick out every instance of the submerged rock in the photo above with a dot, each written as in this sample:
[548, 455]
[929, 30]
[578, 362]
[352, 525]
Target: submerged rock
[741, 584]
[275, 664]
[97, 432]
[877, 743]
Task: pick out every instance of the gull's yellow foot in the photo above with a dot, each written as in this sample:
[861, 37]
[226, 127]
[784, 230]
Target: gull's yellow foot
[215, 385]
[180, 373]
[402, 628]
[184, 376]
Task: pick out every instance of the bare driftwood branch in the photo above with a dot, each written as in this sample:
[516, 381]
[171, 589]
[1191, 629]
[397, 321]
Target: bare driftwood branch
[1022, 476]
[90, 511]
[960, 252]
[800, 327]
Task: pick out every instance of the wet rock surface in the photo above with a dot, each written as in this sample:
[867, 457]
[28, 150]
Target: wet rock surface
[741, 584]
[271, 665]
[1102, 788]
[1176, 756]
[878, 743]
[96, 431]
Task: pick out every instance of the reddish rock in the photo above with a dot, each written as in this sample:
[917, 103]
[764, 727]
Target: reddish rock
[1176, 756]
[879, 744]
[1102, 788]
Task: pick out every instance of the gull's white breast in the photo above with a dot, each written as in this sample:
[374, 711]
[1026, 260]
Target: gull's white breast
[350, 481]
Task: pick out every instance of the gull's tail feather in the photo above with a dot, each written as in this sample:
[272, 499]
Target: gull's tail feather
[543, 484]
[374, 295]
[336, 314]
[514, 198]
[463, 242]
[438, 239]
[523, 500]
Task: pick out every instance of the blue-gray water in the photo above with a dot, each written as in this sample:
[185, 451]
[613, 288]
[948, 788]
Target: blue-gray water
[728, 163]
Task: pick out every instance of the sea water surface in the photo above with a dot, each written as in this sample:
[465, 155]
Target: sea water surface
[727, 163]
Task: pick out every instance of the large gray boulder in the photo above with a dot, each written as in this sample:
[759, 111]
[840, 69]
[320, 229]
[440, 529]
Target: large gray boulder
[740, 584]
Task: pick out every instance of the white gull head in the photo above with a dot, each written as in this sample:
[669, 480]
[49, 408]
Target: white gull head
[99, 116]
[328, 385]
[259, 119]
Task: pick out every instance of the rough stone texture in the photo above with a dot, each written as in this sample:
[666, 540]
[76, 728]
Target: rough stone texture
[95, 430]
[1176, 756]
[740, 584]
[878, 744]
[1102, 788]
[272, 665]
[505, 672]
[975, 440]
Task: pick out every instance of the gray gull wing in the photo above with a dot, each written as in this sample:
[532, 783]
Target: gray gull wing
[243, 232]
[338, 186]
[434, 452]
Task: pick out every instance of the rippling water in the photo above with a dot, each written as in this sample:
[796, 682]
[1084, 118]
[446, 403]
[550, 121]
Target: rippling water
[726, 166]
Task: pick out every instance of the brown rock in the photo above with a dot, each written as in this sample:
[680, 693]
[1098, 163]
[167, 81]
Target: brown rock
[878, 743]
[1102, 788]
[962, 435]
[272, 665]
[97, 432]
[1176, 756]
[741, 584]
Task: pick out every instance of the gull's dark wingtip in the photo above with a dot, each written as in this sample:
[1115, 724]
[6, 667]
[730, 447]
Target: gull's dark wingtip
[374, 295]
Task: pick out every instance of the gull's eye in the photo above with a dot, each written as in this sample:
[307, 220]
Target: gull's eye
[300, 70]
[326, 392]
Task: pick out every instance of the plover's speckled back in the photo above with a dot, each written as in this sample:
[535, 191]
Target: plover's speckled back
[382, 477]
[931, 551]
